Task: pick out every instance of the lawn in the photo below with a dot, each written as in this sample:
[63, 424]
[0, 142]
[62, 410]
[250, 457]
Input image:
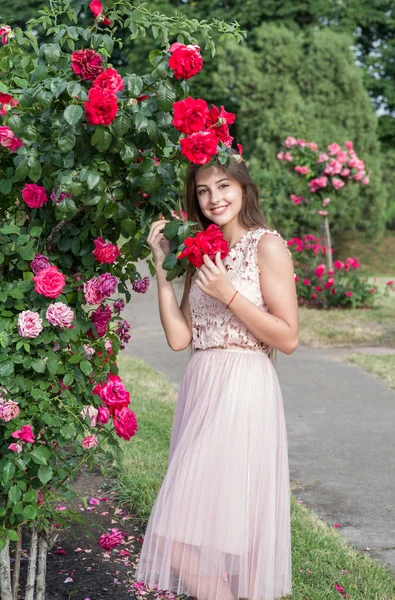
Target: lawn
[321, 558]
[381, 365]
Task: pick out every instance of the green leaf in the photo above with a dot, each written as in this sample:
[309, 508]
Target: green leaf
[27, 252]
[93, 180]
[166, 96]
[65, 244]
[68, 431]
[73, 114]
[7, 369]
[9, 229]
[35, 231]
[68, 379]
[30, 496]
[21, 171]
[66, 140]
[121, 125]
[128, 154]
[12, 535]
[51, 53]
[3, 543]
[45, 474]
[171, 229]
[74, 88]
[134, 85]
[40, 455]
[149, 182]
[140, 121]
[86, 367]
[170, 261]
[38, 365]
[8, 472]
[101, 139]
[30, 512]
[14, 494]
[5, 186]
[128, 226]
[152, 130]
[40, 73]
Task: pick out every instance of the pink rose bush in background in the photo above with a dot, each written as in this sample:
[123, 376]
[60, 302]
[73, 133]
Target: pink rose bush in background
[320, 287]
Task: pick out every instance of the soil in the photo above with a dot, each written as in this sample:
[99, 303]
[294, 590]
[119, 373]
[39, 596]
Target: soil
[78, 569]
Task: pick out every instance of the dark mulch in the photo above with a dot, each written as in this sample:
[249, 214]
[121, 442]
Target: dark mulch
[78, 569]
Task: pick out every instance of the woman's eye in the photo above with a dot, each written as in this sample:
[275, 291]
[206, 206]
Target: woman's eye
[224, 185]
[202, 192]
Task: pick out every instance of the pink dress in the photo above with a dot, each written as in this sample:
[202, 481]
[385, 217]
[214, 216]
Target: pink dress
[220, 525]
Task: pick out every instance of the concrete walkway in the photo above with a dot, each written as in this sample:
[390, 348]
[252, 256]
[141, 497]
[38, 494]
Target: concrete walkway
[340, 423]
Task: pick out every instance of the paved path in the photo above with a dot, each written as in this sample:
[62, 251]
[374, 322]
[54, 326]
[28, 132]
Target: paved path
[340, 423]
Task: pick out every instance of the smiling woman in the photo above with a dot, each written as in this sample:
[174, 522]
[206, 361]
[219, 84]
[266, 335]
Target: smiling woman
[220, 525]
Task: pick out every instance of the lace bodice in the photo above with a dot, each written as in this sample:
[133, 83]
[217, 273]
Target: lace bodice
[213, 325]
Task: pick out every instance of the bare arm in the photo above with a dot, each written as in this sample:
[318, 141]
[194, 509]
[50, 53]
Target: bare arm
[174, 320]
[278, 328]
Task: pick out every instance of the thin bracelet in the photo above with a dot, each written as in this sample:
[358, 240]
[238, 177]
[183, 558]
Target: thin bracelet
[232, 299]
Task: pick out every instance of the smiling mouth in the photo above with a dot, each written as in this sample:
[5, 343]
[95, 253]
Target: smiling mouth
[220, 209]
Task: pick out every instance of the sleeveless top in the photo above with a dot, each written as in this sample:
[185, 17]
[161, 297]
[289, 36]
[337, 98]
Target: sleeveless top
[213, 325]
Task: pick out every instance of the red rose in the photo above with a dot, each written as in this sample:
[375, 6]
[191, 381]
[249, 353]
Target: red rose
[97, 11]
[87, 64]
[105, 252]
[218, 122]
[207, 242]
[49, 282]
[125, 423]
[110, 80]
[190, 115]
[200, 147]
[34, 195]
[185, 61]
[101, 107]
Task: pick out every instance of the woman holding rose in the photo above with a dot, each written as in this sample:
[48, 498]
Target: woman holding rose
[220, 526]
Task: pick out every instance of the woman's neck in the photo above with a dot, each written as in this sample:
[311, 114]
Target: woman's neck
[233, 233]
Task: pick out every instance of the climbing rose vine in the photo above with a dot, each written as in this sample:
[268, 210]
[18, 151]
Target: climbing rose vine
[89, 157]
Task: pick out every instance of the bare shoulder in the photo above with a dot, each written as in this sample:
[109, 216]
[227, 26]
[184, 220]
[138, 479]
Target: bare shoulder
[273, 249]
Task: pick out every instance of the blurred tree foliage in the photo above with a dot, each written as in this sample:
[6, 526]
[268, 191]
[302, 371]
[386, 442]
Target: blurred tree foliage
[370, 25]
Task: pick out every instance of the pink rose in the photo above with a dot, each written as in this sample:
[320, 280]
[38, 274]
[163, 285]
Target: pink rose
[30, 325]
[25, 434]
[59, 314]
[103, 415]
[288, 157]
[108, 541]
[100, 319]
[322, 213]
[302, 170]
[352, 262]
[320, 270]
[8, 139]
[105, 252]
[306, 282]
[39, 263]
[359, 176]
[345, 172]
[280, 155]
[97, 11]
[337, 183]
[34, 195]
[296, 199]
[125, 423]
[9, 410]
[91, 412]
[107, 285]
[89, 351]
[5, 31]
[290, 141]
[349, 145]
[113, 393]
[199, 147]
[348, 294]
[329, 283]
[326, 201]
[313, 146]
[92, 291]
[338, 264]
[365, 180]
[49, 282]
[334, 149]
[141, 285]
[16, 448]
[87, 64]
[90, 441]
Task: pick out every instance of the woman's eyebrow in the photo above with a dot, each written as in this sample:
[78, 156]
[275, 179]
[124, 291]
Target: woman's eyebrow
[219, 181]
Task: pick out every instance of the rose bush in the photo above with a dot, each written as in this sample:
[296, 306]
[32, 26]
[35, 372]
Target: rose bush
[87, 156]
[320, 287]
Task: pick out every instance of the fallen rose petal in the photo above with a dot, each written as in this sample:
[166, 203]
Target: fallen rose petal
[336, 525]
[59, 508]
[78, 550]
[90, 508]
[124, 553]
[104, 498]
[94, 501]
[60, 551]
[105, 513]
[68, 580]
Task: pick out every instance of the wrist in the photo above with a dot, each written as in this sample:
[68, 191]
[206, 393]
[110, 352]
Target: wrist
[229, 297]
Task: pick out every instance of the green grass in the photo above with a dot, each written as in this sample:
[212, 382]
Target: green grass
[382, 365]
[351, 327]
[319, 553]
[376, 258]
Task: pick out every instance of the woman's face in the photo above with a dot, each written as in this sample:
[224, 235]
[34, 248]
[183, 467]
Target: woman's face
[220, 196]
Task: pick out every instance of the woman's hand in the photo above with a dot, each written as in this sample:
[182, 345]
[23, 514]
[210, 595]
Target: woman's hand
[159, 245]
[213, 279]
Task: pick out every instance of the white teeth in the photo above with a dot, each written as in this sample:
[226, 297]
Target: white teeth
[220, 210]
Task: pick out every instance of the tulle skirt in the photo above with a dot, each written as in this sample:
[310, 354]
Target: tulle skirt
[220, 525]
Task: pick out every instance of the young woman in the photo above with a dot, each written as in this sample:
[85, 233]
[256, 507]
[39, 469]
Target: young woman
[220, 526]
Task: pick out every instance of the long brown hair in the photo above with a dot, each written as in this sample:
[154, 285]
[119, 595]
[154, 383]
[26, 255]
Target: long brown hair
[250, 215]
